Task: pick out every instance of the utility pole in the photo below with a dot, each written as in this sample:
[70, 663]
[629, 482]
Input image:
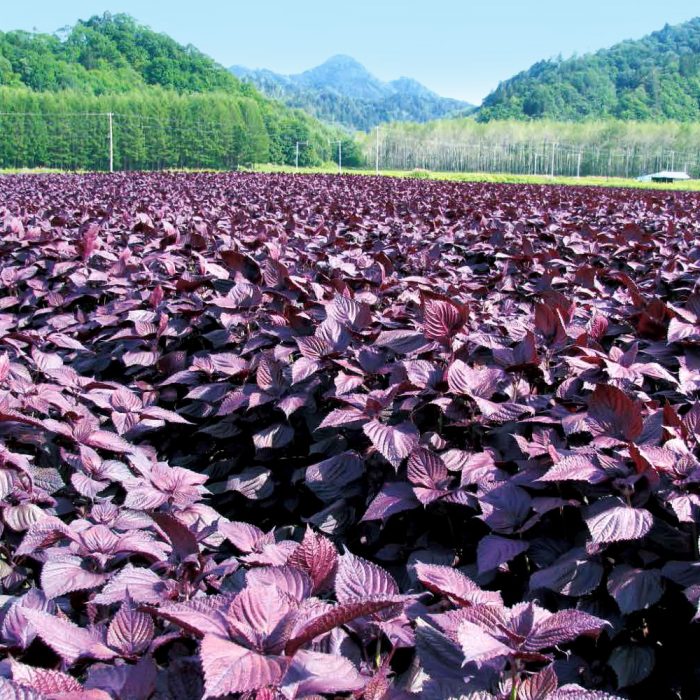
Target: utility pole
[111, 145]
[296, 157]
[376, 154]
[340, 157]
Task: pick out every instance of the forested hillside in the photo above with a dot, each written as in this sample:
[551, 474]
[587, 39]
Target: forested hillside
[174, 106]
[657, 77]
[342, 91]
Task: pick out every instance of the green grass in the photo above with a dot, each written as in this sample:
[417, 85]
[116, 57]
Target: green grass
[28, 171]
[689, 185]
[329, 169]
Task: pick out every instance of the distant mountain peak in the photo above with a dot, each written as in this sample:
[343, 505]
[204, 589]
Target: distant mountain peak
[342, 90]
[342, 60]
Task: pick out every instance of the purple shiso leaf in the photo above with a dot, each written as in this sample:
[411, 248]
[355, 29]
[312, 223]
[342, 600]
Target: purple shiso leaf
[440, 656]
[314, 348]
[394, 443]
[340, 615]
[244, 536]
[9, 690]
[478, 645]
[442, 317]
[403, 342]
[254, 483]
[157, 413]
[506, 507]
[130, 632]
[561, 627]
[394, 497]
[492, 551]
[634, 589]
[478, 382]
[316, 672]
[21, 517]
[539, 686]
[426, 469]
[183, 541]
[64, 573]
[198, 616]
[343, 310]
[137, 681]
[575, 468]
[231, 668]
[611, 520]
[357, 577]
[318, 557]
[328, 479]
[501, 412]
[292, 581]
[269, 374]
[68, 640]
[108, 441]
[44, 533]
[274, 437]
[125, 401]
[342, 417]
[43, 680]
[143, 585]
[612, 412]
[242, 296]
[422, 373]
[16, 629]
[632, 663]
[261, 616]
[575, 573]
[346, 383]
[456, 586]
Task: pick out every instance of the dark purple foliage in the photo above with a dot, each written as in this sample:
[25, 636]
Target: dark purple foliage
[278, 437]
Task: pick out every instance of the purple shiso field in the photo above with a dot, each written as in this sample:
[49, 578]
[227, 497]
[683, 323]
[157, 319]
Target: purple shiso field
[276, 437]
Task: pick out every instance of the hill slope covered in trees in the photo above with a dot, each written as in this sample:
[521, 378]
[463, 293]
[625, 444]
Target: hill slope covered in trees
[173, 105]
[653, 78]
[342, 91]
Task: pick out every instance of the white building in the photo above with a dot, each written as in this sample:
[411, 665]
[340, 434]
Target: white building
[665, 176]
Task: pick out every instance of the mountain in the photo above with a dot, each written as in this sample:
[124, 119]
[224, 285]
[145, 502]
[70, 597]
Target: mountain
[653, 78]
[345, 76]
[108, 53]
[342, 91]
[164, 96]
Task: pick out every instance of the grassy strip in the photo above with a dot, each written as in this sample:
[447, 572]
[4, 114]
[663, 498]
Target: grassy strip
[28, 171]
[689, 185]
[505, 178]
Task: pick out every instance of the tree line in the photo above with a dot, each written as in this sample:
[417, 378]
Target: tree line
[611, 148]
[158, 128]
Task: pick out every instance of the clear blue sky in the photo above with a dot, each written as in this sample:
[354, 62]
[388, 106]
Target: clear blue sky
[459, 48]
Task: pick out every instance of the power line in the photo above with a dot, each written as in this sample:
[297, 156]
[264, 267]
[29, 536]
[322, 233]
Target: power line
[147, 140]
